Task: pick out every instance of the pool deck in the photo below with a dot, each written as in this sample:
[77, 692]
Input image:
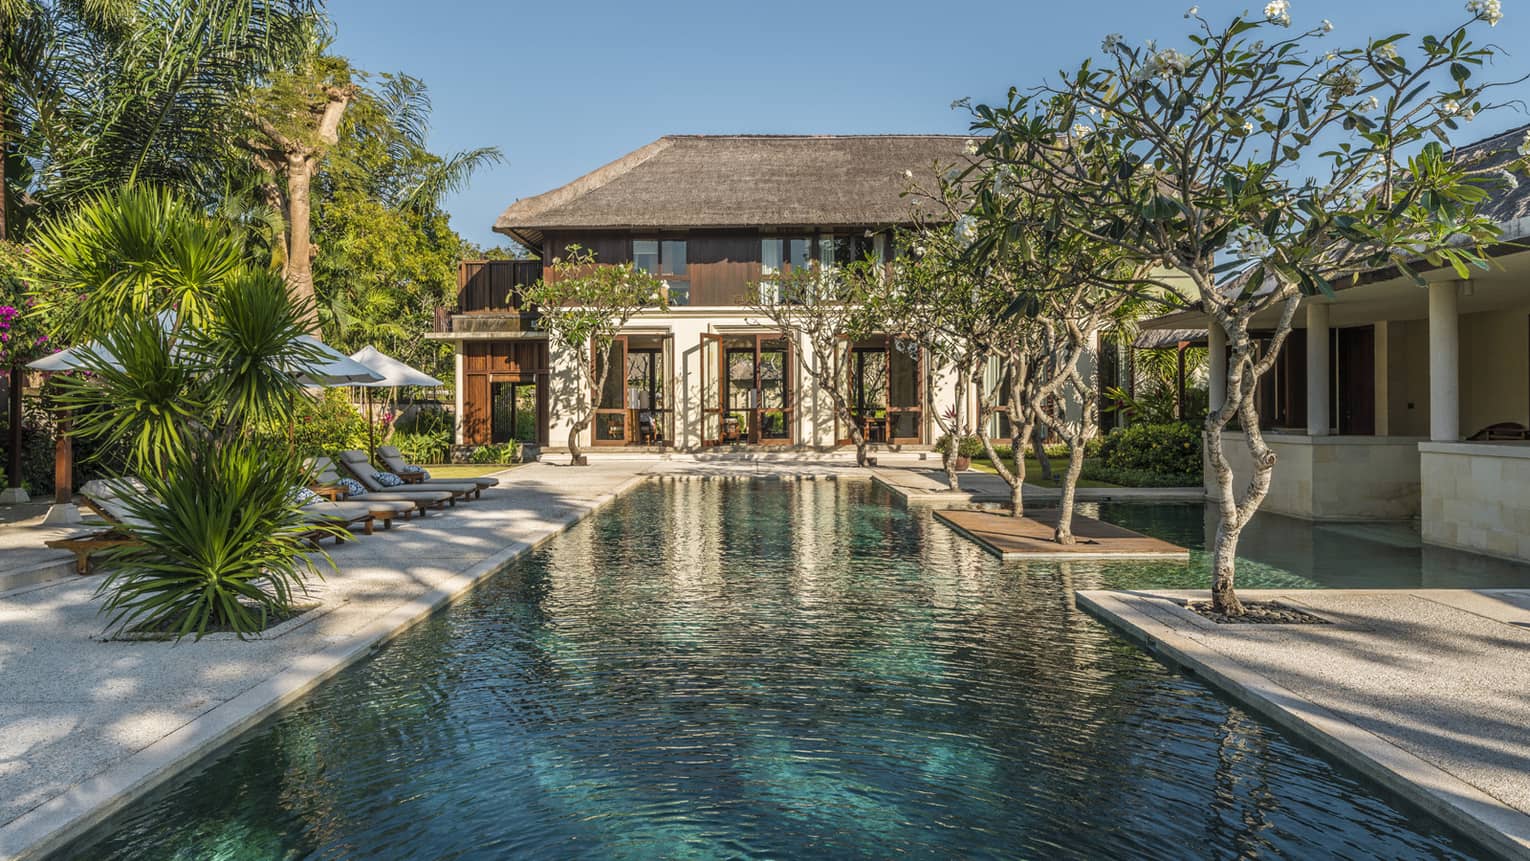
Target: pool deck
[87, 726]
[1030, 537]
[924, 484]
[1423, 690]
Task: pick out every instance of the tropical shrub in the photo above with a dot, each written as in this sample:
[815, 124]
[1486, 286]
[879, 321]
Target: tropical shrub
[324, 425]
[971, 446]
[431, 447]
[223, 544]
[198, 361]
[505, 452]
[1170, 451]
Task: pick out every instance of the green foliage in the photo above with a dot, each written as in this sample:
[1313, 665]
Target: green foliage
[429, 447]
[36, 449]
[1171, 452]
[389, 257]
[115, 92]
[129, 254]
[324, 425]
[505, 452]
[23, 334]
[223, 544]
[583, 305]
[970, 446]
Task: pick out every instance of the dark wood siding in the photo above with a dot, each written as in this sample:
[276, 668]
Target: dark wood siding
[608, 247]
[723, 266]
[486, 362]
[494, 285]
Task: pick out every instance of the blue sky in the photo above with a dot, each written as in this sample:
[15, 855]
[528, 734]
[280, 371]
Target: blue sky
[564, 87]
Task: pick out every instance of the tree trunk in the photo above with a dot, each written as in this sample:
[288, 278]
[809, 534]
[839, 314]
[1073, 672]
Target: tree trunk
[1039, 445]
[1243, 372]
[13, 467]
[1224, 550]
[959, 408]
[299, 266]
[1064, 532]
[1017, 451]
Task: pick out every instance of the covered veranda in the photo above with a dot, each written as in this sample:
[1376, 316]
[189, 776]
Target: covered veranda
[1394, 401]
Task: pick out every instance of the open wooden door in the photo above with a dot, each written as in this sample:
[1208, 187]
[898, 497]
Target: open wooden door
[712, 406]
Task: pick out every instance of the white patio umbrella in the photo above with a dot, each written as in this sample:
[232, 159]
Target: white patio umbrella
[328, 367]
[73, 359]
[390, 372]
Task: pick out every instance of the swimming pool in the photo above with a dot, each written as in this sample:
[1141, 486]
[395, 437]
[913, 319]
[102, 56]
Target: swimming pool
[784, 669]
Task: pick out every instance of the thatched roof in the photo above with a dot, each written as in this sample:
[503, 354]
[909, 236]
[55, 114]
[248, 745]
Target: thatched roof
[690, 181]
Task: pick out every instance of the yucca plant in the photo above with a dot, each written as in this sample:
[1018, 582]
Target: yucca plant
[200, 349]
[140, 390]
[224, 544]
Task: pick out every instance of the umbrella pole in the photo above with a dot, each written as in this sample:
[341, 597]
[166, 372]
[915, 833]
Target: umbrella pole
[371, 428]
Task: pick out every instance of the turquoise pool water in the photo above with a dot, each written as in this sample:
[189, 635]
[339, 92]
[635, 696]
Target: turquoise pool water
[783, 670]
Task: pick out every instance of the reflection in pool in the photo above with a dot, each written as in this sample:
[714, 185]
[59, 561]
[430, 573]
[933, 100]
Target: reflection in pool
[776, 669]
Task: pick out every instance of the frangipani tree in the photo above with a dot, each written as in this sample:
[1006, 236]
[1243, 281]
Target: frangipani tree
[827, 308]
[583, 305]
[1268, 150]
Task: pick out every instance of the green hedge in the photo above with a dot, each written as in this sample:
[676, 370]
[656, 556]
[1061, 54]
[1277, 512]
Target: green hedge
[1151, 455]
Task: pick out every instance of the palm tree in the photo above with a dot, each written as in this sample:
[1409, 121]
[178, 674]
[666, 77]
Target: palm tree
[104, 93]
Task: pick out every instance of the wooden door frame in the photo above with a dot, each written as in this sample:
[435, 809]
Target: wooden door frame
[597, 410]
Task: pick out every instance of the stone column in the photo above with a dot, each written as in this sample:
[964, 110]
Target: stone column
[457, 416]
[1319, 375]
[1444, 363]
[1216, 358]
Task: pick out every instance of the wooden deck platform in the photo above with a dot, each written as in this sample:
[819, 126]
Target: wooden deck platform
[1030, 537]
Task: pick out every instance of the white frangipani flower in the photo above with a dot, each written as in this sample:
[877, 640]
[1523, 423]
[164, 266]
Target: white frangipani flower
[1111, 42]
[908, 174]
[1509, 179]
[1081, 131]
[1327, 26]
[970, 147]
[965, 229]
[1488, 10]
[1450, 107]
[1192, 11]
[1278, 12]
[1524, 145]
[1248, 127]
[1387, 51]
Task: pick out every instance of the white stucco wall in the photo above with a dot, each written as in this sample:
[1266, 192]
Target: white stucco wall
[813, 418]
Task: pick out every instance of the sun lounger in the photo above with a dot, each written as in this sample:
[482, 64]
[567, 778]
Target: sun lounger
[328, 476]
[101, 497]
[356, 463]
[393, 459]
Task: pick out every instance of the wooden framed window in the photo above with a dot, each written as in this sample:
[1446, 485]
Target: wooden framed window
[665, 258]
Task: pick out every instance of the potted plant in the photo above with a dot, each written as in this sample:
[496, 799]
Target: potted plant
[969, 448]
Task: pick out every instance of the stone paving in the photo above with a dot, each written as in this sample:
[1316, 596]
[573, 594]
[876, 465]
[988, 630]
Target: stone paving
[85, 725]
[1424, 690]
[925, 484]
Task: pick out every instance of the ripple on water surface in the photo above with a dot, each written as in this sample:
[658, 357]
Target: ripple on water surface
[715, 669]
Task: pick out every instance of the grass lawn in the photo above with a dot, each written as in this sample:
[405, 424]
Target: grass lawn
[467, 470]
[1033, 472]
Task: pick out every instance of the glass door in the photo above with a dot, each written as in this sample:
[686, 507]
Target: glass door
[611, 413]
[773, 367]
